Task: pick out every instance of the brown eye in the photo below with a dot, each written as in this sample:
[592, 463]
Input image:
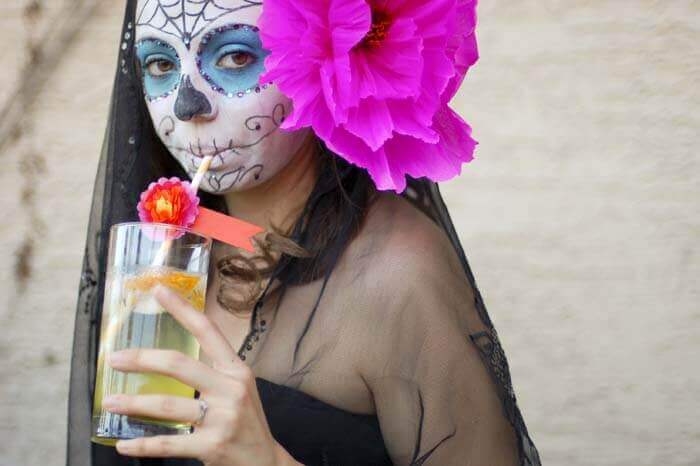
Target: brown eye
[160, 67]
[235, 60]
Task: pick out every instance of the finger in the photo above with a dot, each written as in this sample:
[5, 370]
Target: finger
[171, 408]
[162, 446]
[210, 338]
[172, 363]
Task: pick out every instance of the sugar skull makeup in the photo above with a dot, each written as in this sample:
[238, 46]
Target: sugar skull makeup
[201, 63]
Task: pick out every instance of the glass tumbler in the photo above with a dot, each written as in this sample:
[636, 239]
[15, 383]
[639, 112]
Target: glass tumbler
[141, 256]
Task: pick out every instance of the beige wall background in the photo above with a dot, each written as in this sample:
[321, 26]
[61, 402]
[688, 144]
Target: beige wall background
[580, 216]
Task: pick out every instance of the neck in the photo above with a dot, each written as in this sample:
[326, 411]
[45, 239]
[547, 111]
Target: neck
[278, 201]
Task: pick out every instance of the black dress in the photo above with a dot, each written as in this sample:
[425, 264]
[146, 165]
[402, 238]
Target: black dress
[317, 433]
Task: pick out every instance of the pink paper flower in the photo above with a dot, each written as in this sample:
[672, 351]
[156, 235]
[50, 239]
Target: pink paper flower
[169, 201]
[373, 79]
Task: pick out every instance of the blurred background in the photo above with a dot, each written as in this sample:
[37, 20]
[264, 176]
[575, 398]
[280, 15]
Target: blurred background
[580, 215]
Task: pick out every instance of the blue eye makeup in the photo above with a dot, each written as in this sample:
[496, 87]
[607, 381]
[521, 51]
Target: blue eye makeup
[231, 59]
[160, 66]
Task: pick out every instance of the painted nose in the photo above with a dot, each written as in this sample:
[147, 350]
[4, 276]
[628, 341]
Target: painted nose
[190, 102]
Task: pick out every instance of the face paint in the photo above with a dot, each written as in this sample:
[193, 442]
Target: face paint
[231, 59]
[160, 65]
[201, 63]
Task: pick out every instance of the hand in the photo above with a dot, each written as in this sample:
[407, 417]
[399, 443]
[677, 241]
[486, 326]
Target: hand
[234, 431]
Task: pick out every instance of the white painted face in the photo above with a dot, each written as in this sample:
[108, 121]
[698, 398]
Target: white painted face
[201, 63]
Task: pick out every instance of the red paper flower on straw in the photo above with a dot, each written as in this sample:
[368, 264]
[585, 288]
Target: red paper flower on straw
[169, 201]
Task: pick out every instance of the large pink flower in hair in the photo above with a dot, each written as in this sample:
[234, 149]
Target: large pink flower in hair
[373, 78]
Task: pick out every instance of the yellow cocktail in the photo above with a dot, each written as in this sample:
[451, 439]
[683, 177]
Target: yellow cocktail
[132, 318]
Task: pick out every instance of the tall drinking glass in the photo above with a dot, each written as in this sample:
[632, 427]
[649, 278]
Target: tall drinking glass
[141, 256]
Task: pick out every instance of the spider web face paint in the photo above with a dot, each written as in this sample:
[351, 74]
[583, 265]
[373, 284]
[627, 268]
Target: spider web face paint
[201, 61]
[187, 19]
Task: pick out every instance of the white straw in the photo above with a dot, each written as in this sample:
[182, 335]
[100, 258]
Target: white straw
[201, 171]
[196, 181]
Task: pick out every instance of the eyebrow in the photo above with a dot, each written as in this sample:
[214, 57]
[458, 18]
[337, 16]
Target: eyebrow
[185, 19]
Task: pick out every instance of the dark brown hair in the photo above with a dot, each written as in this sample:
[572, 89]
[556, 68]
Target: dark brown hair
[330, 219]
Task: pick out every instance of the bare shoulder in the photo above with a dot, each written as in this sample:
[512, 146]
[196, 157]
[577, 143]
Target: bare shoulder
[399, 281]
[403, 277]
[398, 245]
[410, 235]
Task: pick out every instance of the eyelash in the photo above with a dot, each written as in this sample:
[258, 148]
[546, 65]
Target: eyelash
[250, 56]
[151, 60]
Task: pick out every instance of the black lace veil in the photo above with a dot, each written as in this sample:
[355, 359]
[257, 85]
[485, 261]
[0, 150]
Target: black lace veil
[131, 157]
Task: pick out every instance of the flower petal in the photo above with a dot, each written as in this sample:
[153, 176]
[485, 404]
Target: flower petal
[405, 155]
[371, 121]
[462, 47]
[393, 69]
[381, 105]
[169, 201]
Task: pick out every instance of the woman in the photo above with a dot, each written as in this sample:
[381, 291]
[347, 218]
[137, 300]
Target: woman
[356, 335]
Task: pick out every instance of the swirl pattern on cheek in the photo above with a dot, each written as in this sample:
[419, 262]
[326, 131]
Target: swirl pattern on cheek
[166, 126]
[230, 179]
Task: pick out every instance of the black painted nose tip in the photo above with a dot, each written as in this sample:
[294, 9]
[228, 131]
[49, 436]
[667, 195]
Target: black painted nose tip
[190, 102]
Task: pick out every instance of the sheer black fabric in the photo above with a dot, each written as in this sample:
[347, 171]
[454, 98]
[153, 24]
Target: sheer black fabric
[388, 357]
